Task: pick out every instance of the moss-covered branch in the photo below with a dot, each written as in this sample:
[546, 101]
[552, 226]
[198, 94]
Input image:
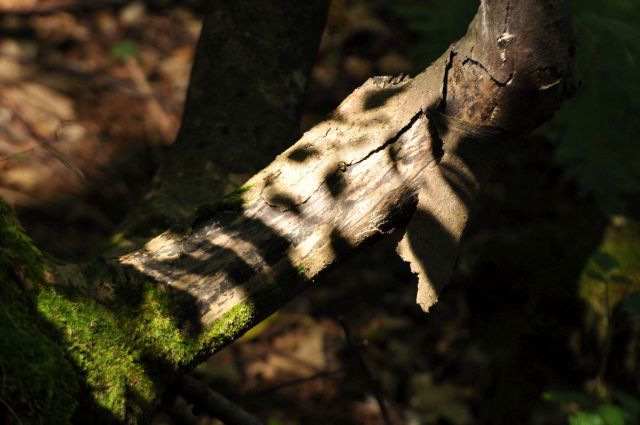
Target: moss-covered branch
[80, 343]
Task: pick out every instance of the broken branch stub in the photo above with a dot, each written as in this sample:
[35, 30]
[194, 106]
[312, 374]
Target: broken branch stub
[510, 72]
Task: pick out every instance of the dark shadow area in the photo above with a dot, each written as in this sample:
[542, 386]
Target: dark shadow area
[284, 201]
[380, 97]
[437, 148]
[334, 181]
[93, 214]
[302, 154]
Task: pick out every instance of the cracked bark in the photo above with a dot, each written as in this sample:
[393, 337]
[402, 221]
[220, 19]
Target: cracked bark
[399, 154]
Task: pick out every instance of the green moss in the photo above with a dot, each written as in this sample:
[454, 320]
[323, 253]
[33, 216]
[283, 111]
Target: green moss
[67, 356]
[226, 328]
[232, 202]
[39, 384]
[236, 198]
[150, 225]
[120, 347]
[101, 349]
[302, 270]
[18, 256]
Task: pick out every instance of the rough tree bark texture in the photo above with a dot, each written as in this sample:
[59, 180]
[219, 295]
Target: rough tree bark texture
[243, 105]
[399, 154]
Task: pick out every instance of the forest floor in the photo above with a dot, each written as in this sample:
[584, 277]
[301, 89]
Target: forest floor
[90, 97]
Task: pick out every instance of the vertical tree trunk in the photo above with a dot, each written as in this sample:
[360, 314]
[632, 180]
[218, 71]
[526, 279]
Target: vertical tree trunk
[243, 105]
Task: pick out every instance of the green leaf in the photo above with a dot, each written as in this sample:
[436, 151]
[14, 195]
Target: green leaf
[605, 261]
[124, 49]
[595, 275]
[586, 418]
[612, 414]
[566, 397]
[629, 403]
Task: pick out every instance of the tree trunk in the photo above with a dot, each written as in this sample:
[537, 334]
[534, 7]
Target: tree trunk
[243, 105]
[398, 155]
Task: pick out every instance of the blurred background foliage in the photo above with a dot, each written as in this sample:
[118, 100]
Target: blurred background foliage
[541, 322]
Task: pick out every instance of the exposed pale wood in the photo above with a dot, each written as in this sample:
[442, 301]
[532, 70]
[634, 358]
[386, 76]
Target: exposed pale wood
[354, 180]
[392, 145]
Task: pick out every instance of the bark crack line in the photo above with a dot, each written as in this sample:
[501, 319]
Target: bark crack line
[391, 141]
[445, 80]
[484, 68]
[437, 144]
[342, 166]
[506, 18]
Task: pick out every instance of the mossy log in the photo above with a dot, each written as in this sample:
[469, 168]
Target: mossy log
[400, 156]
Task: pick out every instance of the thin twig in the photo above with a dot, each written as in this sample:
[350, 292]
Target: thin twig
[11, 411]
[216, 404]
[371, 382]
[295, 382]
[17, 154]
[43, 141]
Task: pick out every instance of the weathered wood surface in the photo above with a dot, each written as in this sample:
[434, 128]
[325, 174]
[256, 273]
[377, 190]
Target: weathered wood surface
[298, 215]
[397, 152]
